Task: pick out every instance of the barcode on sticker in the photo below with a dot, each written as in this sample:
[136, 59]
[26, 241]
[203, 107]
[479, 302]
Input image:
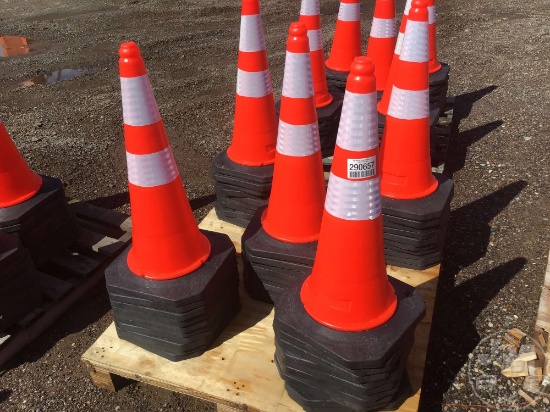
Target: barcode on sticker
[361, 168]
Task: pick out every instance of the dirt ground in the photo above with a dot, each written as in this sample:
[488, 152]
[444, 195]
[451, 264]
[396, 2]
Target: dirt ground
[498, 239]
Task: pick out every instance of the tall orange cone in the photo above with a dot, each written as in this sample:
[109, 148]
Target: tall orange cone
[383, 36]
[298, 192]
[348, 289]
[406, 165]
[434, 64]
[255, 125]
[17, 181]
[166, 240]
[310, 16]
[385, 101]
[346, 44]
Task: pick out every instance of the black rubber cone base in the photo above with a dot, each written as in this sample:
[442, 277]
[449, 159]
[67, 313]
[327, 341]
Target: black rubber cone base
[271, 265]
[239, 219]
[439, 84]
[223, 165]
[336, 81]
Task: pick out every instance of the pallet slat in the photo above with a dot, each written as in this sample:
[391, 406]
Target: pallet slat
[54, 289]
[76, 263]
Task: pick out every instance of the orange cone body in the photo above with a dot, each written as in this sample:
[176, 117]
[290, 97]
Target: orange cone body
[166, 240]
[385, 101]
[17, 181]
[255, 125]
[383, 36]
[434, 64]
[346, 44]
[348, 288]
[295, 206]
[406, 166]
[311, 18]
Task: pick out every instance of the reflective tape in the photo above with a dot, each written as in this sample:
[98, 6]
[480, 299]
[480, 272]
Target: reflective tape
[298, 140]
[139, 107]
[310, 8]
[399, 43]
[150, 170]
[431, 15]
[297, 80]
[252, 34]
[407, 7]
[349, 12]
[409, 104]
[415, 43]
[358, 129]
[383, 28]
[315, 40]
[253, 84]
[353, 200]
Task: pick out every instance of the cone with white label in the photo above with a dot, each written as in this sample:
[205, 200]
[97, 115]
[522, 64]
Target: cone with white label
[324, 325]
[244, 171]
[346, 45]
[416, 204]
[290, 224]
[439, 72]
[171, 266]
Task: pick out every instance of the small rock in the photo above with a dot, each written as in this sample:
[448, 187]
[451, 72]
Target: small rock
[527, 138]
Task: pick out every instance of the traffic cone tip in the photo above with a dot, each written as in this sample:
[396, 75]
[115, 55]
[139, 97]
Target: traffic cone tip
[250, 7]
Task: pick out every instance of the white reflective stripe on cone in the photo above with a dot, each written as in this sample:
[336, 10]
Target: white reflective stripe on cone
[399, 43]
[253, 84]
[383, 28]
[298, 140]
[353, 200]
[407, 7]
[151, 170]
[252, 34]
[349, 12]
[409, 104]
[310, 8]
[358, 129]
[297, 80]
[431, 15]
[415, 43]
[139, 107]
[315, 40]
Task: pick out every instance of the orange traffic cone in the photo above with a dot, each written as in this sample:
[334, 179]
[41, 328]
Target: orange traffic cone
[255, 125]
[346, 44]
[434, 64]
[385, 100]
[348, 289]
[298, 191]
[17, 181]
[406, 167]
[381, 45]
[310, 16]
[166, 240]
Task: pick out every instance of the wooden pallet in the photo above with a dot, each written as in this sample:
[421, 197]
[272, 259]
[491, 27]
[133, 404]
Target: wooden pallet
[238, 372]
[69, 275]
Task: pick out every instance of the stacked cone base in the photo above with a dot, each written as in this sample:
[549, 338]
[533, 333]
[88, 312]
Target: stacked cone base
[44, 223]
[336, 81]
[240, 190]
[329, 370]
[271, 266]
[177, 318]
[414, 230]
[21, 291]
[439, 85]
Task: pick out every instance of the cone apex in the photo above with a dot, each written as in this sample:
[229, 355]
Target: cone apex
[362, 65]
[297, 29]
[129, 50]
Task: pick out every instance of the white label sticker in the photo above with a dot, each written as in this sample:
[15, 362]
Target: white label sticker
[361, 168]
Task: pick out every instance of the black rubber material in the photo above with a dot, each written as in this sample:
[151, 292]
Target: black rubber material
[413, 263]
[228, 217]
[223, 165]
[243, 185]
[233, 192]
[336, 81]
[411, 233]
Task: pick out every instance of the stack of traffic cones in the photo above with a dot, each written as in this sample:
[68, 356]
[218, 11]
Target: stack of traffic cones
[343, 335]
[244, 171]
[415, 203]
[175, 288]
[33, 207]
[346, 45]
[279, 243]
[439, 72]
[21, 291]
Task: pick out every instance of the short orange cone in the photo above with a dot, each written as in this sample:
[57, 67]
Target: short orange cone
[255, 124]
[381, 45]
[298, 192]
[311, 18]
[406, 167]
[346, 44]
[434, 64]
[348, 289]
[384, 102]
[17, 181]
[166, 240]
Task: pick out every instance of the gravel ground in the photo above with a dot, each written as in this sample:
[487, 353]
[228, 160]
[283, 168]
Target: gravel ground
[498, 238]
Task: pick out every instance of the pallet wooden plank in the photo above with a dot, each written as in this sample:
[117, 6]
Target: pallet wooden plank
[100, 243]
[212, 223]
[106, 217]
[76, 263]
[54, 289]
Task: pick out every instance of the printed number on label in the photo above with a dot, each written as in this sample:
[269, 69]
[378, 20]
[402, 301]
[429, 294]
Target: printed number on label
[361, 168]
